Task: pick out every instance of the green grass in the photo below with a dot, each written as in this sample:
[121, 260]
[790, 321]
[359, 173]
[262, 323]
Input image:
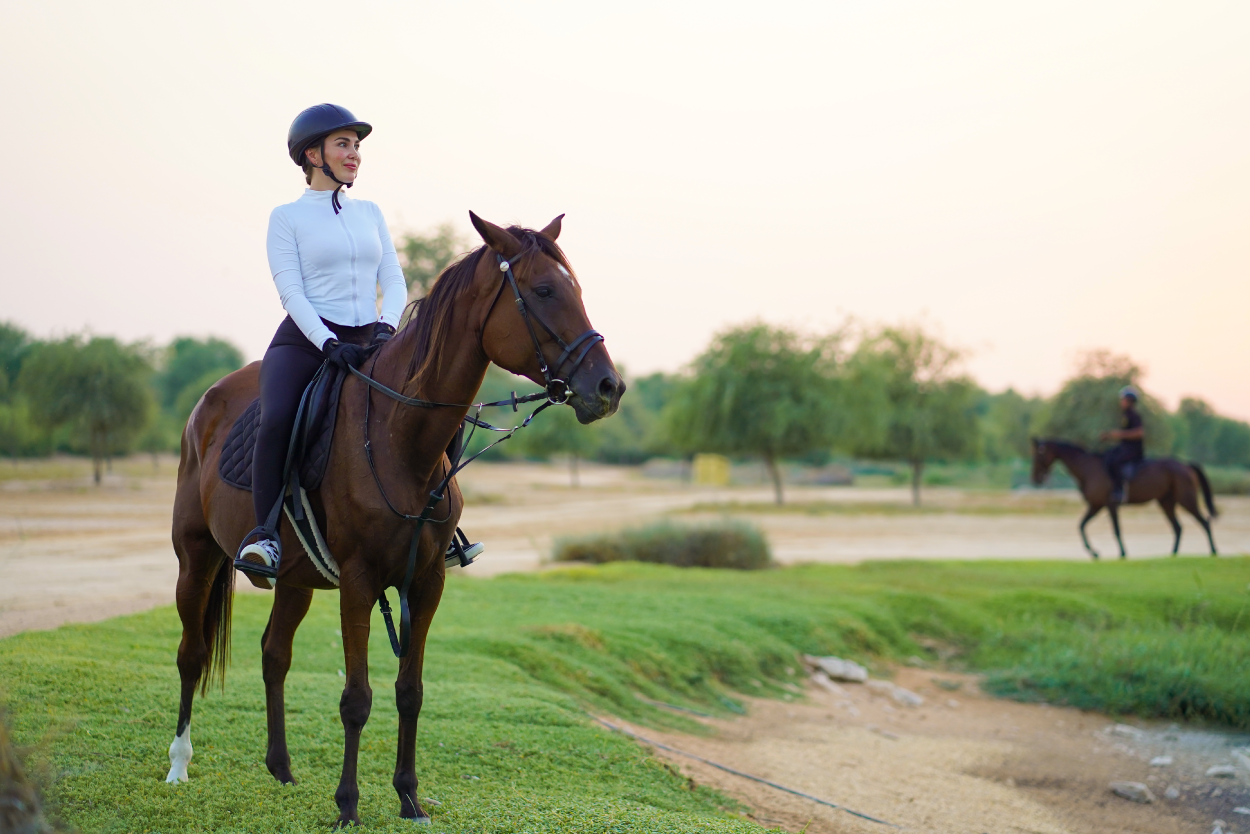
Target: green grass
[513, 660]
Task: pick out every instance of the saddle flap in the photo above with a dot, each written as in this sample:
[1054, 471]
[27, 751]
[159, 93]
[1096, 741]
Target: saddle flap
[314, 435]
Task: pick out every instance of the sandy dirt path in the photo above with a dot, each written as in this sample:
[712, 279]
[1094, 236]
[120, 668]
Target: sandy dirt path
[962, 762]
[72, 552]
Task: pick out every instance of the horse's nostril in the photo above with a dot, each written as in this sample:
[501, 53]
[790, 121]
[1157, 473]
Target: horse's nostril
[610, 387]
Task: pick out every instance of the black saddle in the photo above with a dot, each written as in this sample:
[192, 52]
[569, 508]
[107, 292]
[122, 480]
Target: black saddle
[310, 444]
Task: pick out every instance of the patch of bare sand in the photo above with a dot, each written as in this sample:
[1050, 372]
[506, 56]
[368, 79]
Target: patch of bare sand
[963, 762]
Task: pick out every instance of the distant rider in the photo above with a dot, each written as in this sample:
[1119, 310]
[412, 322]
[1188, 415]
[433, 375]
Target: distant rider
[329, 255]
[1131, 449]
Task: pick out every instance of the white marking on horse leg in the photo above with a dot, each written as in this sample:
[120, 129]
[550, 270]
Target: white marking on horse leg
[179, 757]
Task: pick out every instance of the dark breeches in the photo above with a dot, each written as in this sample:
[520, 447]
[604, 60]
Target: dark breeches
[1115, 461]
[289, 365]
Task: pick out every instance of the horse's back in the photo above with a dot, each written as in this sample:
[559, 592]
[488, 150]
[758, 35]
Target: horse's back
[220, 406]
[199, 485]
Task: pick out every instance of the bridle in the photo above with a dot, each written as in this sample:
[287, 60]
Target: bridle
[557, 392]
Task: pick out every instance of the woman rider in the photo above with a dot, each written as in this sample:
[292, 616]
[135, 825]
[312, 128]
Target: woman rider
[328, 255]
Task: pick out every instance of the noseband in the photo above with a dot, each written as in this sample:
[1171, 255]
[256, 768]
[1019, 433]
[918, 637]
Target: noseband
[558, 390]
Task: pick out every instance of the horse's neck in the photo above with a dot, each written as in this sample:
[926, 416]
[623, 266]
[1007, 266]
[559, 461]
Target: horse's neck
[1078, 461]
[416, 437]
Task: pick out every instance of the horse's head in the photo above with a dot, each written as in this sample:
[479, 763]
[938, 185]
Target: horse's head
[1043, 460]
[537, 326]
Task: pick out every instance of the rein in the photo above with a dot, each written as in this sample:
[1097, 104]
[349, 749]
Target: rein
[557, 393]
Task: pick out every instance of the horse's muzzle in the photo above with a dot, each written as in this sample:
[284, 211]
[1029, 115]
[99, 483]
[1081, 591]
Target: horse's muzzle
[601, 400]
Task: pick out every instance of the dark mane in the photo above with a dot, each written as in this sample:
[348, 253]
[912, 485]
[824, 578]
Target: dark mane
[1065, 445]
[430, 318]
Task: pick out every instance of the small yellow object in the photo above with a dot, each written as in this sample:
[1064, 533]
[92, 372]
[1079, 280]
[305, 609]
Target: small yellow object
[711, 470]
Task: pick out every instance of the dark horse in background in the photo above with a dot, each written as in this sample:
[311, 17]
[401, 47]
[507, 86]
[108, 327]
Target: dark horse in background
[1166, 480]
[469, 319]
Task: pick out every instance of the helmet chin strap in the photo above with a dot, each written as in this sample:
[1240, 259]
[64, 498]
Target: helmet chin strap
[325, 169]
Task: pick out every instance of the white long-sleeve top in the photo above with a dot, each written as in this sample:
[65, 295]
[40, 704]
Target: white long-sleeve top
[329, 265]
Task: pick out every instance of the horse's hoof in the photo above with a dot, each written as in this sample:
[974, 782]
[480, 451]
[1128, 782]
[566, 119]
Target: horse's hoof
[347, 823]
[419, 820]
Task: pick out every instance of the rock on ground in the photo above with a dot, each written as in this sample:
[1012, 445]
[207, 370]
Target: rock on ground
[837, 668]
[1135, 791]
[902, 697]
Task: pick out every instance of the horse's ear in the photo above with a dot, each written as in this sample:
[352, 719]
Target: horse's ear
[496, 237]
[552, 230]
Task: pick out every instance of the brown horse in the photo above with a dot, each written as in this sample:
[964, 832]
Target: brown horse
[1166, 480]
[441, 355]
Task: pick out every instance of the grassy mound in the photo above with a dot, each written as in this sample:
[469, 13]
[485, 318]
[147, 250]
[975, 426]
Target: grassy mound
[726, 544]
[512, 660]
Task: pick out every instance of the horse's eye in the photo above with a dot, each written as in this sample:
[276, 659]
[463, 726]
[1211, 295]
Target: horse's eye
[543, 292]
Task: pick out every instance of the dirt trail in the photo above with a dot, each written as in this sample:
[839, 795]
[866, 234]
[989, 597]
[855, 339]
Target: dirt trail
[71, 552]
[962, 762]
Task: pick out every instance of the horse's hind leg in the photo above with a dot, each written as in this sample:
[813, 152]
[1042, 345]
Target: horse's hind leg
[289, 607]
[408, 695]
[1190, 502]
[1115, 526]
[1168, 505]
[1090, 513]
[205, 588]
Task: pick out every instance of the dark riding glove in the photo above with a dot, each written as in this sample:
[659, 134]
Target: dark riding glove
[343, 354]
[382, 333]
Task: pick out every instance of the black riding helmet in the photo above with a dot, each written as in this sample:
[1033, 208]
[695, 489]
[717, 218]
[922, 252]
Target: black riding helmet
[314, 125]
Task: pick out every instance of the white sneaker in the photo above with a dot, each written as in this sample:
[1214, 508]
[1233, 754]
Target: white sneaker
[264, 554]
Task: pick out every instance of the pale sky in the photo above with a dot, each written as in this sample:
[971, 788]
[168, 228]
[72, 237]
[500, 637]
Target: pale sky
[1029, 179]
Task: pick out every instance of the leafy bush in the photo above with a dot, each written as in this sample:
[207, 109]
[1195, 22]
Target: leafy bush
[722, 545]
[1228, 480]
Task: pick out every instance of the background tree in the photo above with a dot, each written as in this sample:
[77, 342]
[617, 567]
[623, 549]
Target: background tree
[188, 360]
[423, 256]
[1007, 423]
[17, 432]
[15, 344]
[761, 391]
[1089, 403]
[1205, 437]
[99, 387]
[930, 410]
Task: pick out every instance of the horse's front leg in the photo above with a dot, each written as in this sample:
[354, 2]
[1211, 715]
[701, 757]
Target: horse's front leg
[1090, 513]
[423, 600]
[1115, 526]
[289, 607]
[357, 596]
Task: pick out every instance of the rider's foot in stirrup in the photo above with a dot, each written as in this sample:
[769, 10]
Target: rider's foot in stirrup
[259, 562]
[1117, 497]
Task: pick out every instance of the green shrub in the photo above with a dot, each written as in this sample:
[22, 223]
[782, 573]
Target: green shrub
[722, 545]
[1227, 480]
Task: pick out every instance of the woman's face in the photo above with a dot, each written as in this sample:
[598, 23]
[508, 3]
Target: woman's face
[342, 149]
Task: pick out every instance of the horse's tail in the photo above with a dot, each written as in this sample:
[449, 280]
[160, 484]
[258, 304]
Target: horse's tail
[1206, 489]
[217, 628]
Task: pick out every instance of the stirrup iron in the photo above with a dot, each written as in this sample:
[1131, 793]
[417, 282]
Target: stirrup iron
[460, 553]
